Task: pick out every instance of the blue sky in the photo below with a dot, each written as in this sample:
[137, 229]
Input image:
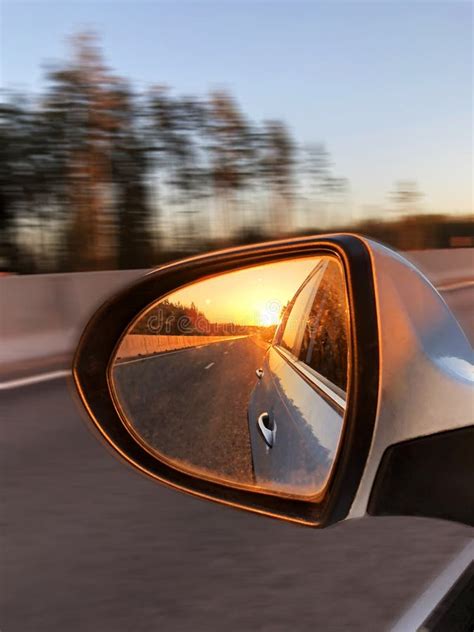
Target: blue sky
[387, 86]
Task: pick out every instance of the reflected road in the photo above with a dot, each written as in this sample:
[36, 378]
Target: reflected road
[191, 404]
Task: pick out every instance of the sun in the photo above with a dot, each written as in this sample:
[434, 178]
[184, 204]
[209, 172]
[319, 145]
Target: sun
[268, 317]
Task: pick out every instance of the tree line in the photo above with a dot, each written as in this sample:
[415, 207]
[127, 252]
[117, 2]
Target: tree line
[95, 174]
[170, 318]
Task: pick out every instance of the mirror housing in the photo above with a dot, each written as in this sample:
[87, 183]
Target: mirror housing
[358, 483]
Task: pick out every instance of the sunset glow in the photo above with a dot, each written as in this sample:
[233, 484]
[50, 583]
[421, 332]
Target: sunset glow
[252, 296]
[238, 303]
[269, 317]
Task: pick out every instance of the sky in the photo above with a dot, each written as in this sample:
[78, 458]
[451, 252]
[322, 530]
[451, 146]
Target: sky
[387, 86]
[253, 296]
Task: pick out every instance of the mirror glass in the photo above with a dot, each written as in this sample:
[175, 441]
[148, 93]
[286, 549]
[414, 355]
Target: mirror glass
[242, 377]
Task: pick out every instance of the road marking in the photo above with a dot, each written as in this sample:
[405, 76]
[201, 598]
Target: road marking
[33, 379]
[427, 602]
[123, 362]
[209, 365]
[164, 354]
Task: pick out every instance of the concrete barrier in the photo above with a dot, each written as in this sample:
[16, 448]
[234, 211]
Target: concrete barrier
[42, 316]
[136, 345]
[445, 268]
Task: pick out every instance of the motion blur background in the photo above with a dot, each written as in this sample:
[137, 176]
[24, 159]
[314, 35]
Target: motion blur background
[132, 133]
[136, 133]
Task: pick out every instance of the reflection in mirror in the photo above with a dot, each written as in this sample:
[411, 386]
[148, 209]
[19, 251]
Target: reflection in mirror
[242, 377]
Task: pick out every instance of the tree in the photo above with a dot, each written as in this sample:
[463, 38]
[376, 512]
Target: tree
[406, 197]
[323, 188]
[232, 153]
[276, 167]
[82, 106]
[177, 131]
[27, 191]
[130, 169]
[14, 174]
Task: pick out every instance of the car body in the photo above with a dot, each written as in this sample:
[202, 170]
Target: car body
[427, 376]
[301, 389]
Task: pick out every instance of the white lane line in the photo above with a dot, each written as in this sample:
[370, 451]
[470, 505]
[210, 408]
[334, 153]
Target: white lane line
[123, 362]
[33, 379]
[427, 602]
[209, 365]
[164, 354]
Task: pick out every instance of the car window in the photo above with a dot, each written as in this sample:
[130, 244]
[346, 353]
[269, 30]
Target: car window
[324, 341]
[297, 311]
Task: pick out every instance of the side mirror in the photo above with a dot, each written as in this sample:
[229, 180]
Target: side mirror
[312, 380]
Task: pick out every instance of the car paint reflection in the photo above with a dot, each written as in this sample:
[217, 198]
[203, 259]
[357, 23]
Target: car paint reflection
[308, 432]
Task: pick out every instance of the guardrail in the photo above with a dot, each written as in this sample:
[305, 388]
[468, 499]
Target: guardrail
[42, 316]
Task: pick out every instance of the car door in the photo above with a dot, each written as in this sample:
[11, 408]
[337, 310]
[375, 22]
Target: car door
[297, 408]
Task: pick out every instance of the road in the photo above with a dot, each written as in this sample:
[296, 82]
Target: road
[205, 427]
[90, 545]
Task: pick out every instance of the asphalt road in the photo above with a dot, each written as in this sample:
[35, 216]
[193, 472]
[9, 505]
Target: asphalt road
[87, 544]
[191, 405]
